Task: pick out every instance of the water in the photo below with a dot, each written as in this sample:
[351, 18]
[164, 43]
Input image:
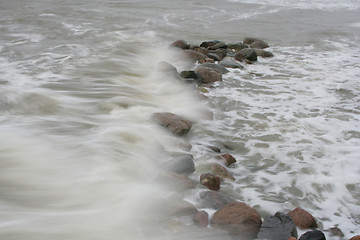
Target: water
[80, 159]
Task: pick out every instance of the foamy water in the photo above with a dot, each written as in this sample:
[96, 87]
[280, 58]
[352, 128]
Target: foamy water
[80, 158]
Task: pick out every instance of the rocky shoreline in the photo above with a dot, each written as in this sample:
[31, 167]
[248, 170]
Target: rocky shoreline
[210, 60]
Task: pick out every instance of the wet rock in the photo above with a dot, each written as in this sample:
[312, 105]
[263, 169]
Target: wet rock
[210, 181]
[237, 46]
[208, 75]
[214, 56]
[178, 207]
[239, 219]
[200, 50]
[215, 200]
[181, 165]
[292, 238]
[167, 68]
[189, 75]
[246, 54]
[263, 53]
[201, 218]
[218, 67]
[313, 235]
[177, 181]
[182, 44]
[302, 218]
[175, 123]
[227, 159]
[277, 227]
[195, 56]
[220, 171]
[335, 231]
[250, 40]
[357, 237]
[220, 53]
[230, 62]
[209, 60]
[218, 45]
[207, 44]
[259, 44]
[215, 149]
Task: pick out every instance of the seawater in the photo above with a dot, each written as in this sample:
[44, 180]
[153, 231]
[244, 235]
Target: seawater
[80, 158]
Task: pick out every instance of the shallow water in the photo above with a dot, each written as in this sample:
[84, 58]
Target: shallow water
[80, 158]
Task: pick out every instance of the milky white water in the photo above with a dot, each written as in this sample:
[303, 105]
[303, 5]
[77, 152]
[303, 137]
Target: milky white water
[80, 159]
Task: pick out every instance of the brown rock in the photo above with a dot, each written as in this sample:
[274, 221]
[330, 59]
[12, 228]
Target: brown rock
[195, 56]
[259, 44]
[201, 218]
[209, 60]
[251, 40]
[222, 172]
[208, 75]
[239, 219]
[182, 44]
[227, 159]
[173, 122]
[246, 54]
[177, 181]
[302, 218]
[357, 237]
[263, 53]
[292, 238]
[210, 181]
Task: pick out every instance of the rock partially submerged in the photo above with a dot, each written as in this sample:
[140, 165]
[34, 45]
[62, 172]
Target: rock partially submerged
[208, 75]
[210, 181]
[302, 218]
[277, 227]
[313, 235]
[175, 123]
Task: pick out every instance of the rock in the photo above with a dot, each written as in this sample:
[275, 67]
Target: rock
[179, 208]
[335, 231]
[180, 44]
[218, 45]
[208, 75]
[220, 54]
[173, 122]
[210, 181]
[167, 68]
[200, 50]
[246, 54]
[237, 46]
[209, 60]
[263, 53]
[259, 44]
[230, 62]
[215, 149]
[207, 44]
[302, 218]
[227, 159]
[218, 67]
[189, 75]
[177, 181]
[214, 56]
[181, 165]
[215, 200]
[201, 218]
[195, 56]
[292, 238]
[313, 235]
[277, 227]
[239, 219]
[220, 171]
[250, 40]
[357, 237]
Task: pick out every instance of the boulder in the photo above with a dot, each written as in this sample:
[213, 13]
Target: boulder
[195, 56]
[313, 235]
[200, 49]
[239, 219]
[302, 218]
[210, 181]
[259, 44]
[214, 56]
[220, 171]
[357, 237]
[246, 54]
[208, 75]
[167, 68]
[175, 180]
[220, 54]
[181, 165]
[215, 66]
[227, 159]
[209, 60]
[182, 44]
[189, 75]
[215, 200]
[230, 62]
[250, 40]
[175, 123]
[201, 218]
[237, 46]
[263, 53]
[218, 45]
[277, 227]
[207, 44]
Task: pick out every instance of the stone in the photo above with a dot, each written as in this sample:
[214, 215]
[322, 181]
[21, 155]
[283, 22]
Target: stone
[357, 237]
[237, 46]
[292, 238]
[214, 56]
[230, 62]
[215, 200]
[215, 66]
[259, 44]
[181, 165]
[220, 171]
[313, 235]
[201, 218]
[175, 123]
[189, 75]
[220, 53]
[227, 159]
[218, 45]
[207, 44]
[277, 227]
[200, 50]
[263, 53]
[239, 219]
[302, 218]
[210, 181]
[167, 68]
[195, 56]
[246, 54]
[178, 208]
[182, 44]
[209, 60]
[175, 180]
[335, 231]
[250, 40]
[208, 75]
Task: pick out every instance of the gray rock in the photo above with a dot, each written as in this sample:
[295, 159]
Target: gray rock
[277, 227]
[230, 62]
[182, 165]
[218, 45]
[263, 53]
[220, 53]
[167, 68]
[237, 46]
[313, 235]
[215, 200]
[218, 67]
[182, 44]
[246, 54]
[250, 40]
[259, 44]
[207, 44]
